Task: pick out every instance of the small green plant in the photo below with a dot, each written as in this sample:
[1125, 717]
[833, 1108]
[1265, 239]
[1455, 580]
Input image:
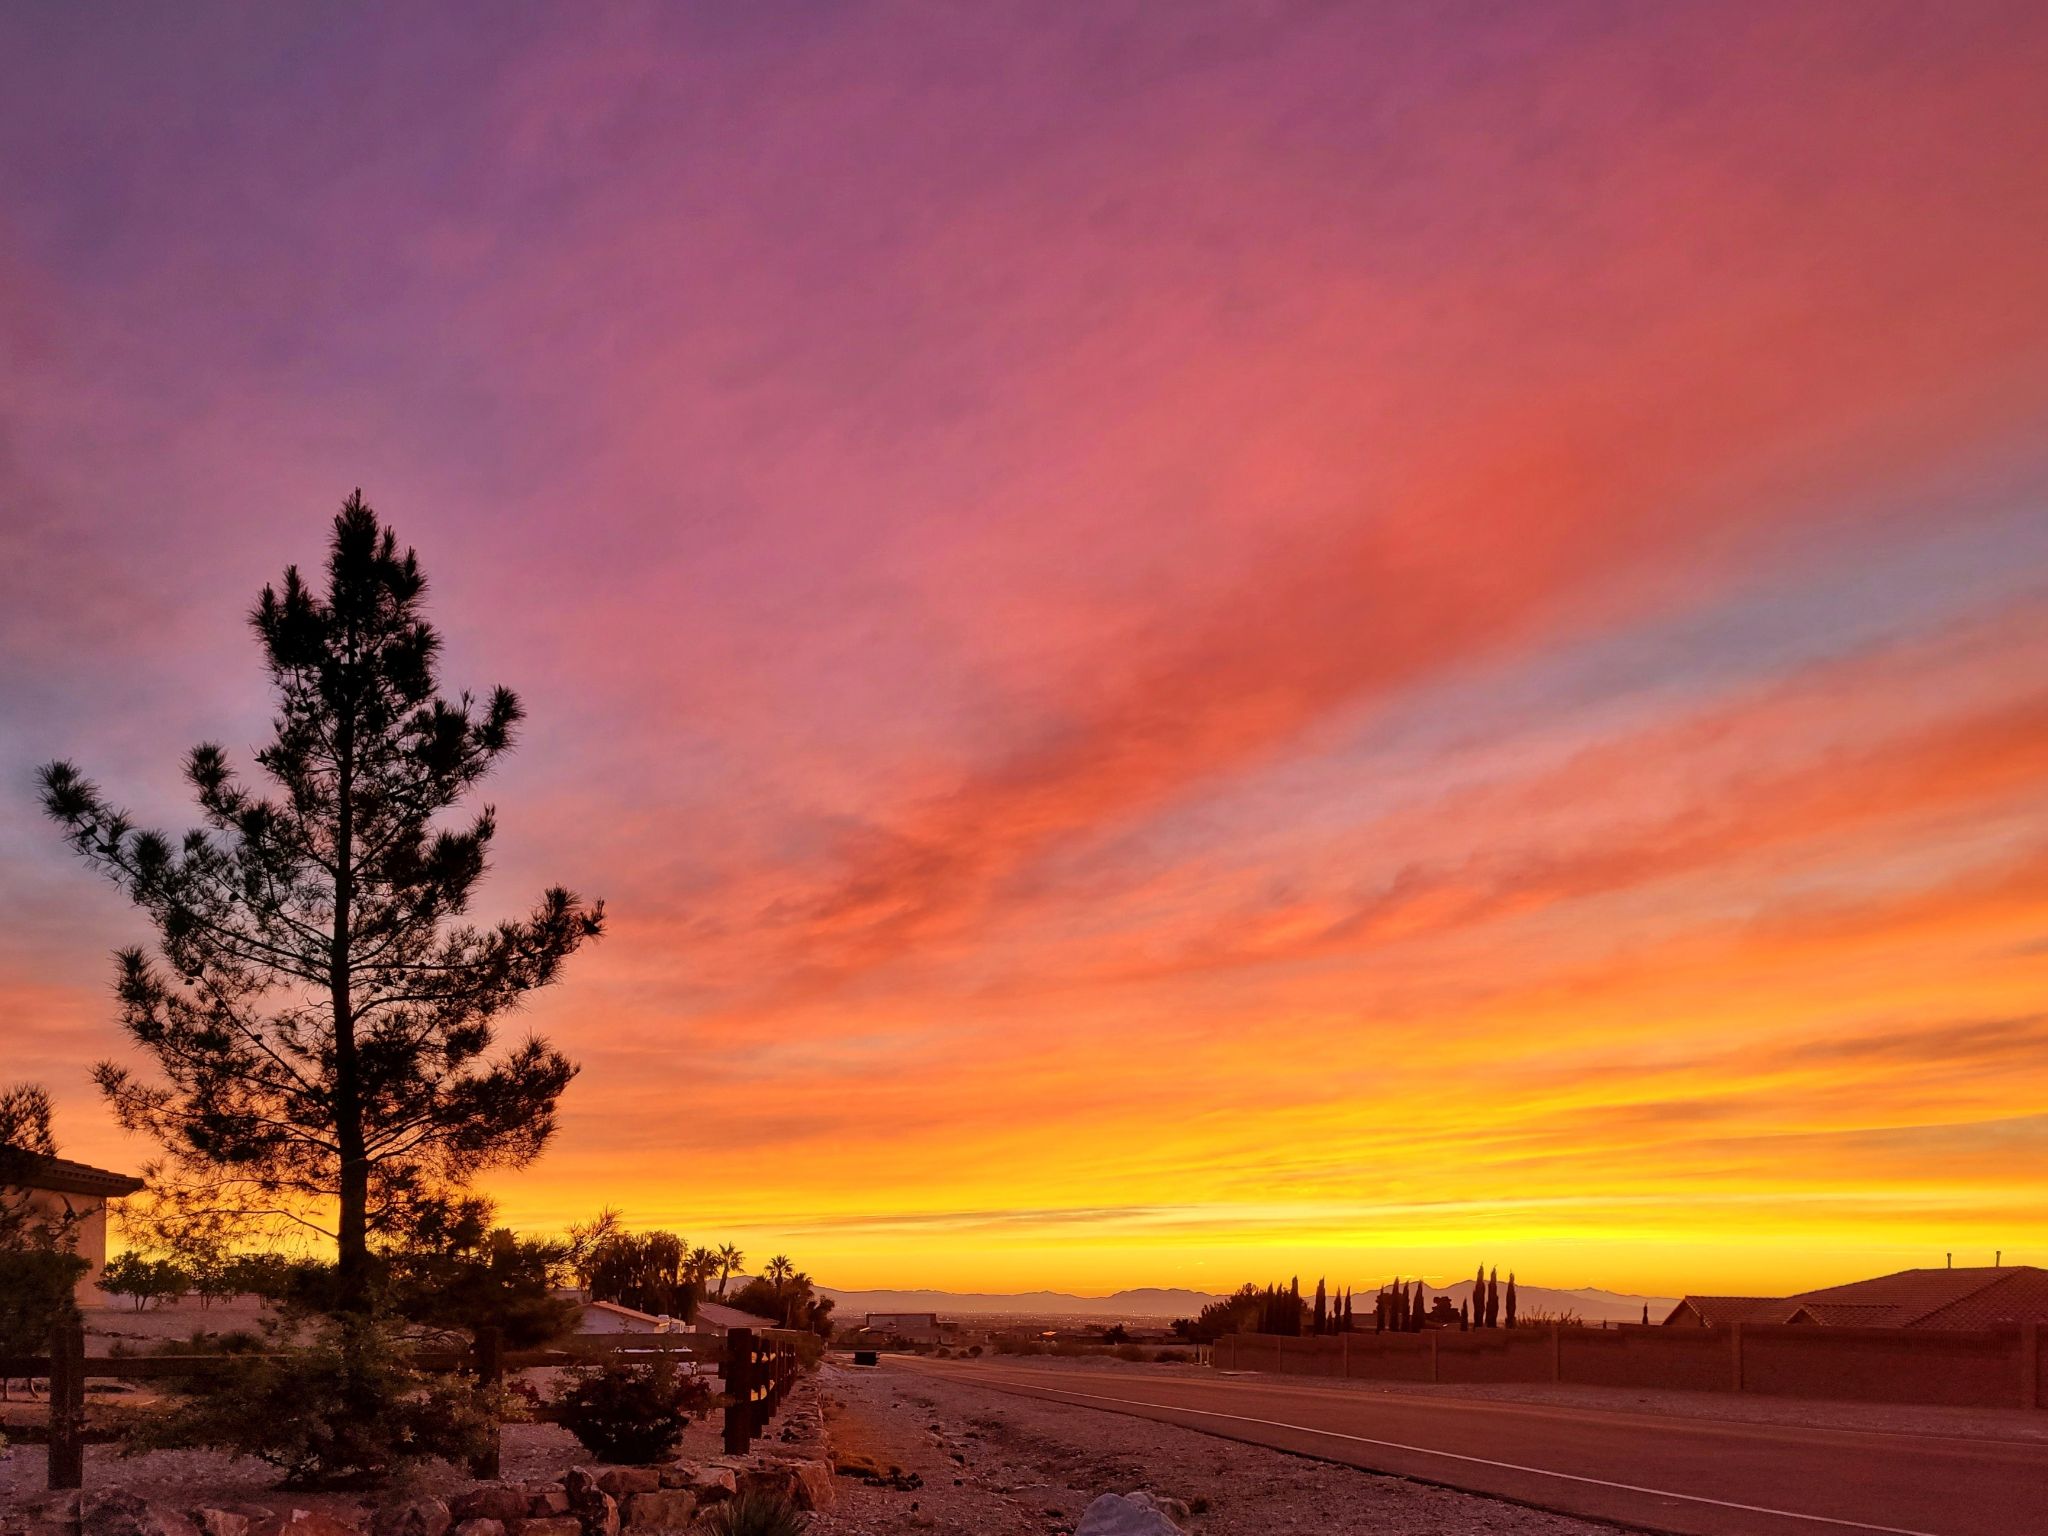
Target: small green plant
[630, 1413]
[756, 1514]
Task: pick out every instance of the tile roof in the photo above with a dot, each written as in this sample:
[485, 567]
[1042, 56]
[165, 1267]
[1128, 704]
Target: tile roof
[1983, 1297]
[1720, 1311]
[1937, 1298]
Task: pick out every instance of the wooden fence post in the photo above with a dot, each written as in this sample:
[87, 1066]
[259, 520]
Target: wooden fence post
[487, 1355]
[67, 1405]
[739, 1390]
[1735, 1353]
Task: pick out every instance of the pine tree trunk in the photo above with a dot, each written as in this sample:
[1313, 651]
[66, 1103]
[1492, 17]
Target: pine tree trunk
[352, 1226]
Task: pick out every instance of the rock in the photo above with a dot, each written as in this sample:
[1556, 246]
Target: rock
[711, 1485]
[119, 1513]
[771, 1481]
[492, 1501]
[409, 1517]
[547, 1525]
[1119, 1514]
[311, 1522]
[546, 1503]
[665, 1509]
[596, 1512]
[812, 1488]
[221, 1522]
[480, 1527]
[263, 1520]
[623, 1482]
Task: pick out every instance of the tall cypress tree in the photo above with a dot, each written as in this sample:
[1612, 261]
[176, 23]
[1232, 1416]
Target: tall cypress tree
[1322, 1308]
[1478, 1298]
[1511, 1299]
[1493, 1298]
[1415, 1312]
[321, 1014]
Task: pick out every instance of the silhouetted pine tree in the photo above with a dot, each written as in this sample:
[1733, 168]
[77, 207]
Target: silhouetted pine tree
[1465, 1316]
[1493, 1298]
[1478, 1298]
[1511, 1299]
[321, 1021]
[1646, 1314]
[1322, 1313]
[1415, 1311]
[1379, 1311]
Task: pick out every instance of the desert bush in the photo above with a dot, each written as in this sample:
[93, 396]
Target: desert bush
[1135, 1353]
[756, 1514]
[1173, 1357]
[630, 1413]
[974, 1350]
[346, 1410]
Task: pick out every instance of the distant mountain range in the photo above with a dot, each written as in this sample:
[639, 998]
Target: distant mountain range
[1147, 1301]
[1152, 1302]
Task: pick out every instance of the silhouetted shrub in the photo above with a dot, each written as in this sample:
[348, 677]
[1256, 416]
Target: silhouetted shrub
[630, 1413]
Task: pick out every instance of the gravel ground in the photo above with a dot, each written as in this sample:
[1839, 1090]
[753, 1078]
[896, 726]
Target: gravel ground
[992, 1464]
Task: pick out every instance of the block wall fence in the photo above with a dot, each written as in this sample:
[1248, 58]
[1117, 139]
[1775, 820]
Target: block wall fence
[1995, 1368]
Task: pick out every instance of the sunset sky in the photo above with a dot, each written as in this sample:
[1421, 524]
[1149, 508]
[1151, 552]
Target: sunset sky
[1189, 642]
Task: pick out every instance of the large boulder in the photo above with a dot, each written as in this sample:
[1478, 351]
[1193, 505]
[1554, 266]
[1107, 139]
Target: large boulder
[117, 1512]
[1126, 1514]
[221, 1522]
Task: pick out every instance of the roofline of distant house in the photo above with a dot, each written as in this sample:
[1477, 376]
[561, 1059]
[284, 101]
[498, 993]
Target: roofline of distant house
[62, 1176]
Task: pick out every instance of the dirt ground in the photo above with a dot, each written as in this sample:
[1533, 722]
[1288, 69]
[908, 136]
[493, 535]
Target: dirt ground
[992, 1464]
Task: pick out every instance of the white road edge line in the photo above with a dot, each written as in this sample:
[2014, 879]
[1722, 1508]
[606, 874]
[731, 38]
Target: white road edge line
[1506, 1466]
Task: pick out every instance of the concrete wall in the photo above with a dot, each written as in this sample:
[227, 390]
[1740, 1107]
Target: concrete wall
[2002, 1368]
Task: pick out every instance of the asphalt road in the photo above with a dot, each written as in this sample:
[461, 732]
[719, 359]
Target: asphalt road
[1699, 1477]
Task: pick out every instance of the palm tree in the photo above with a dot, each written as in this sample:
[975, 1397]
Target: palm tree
[703, 1265]
[729, 1261]
[779, 1272]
